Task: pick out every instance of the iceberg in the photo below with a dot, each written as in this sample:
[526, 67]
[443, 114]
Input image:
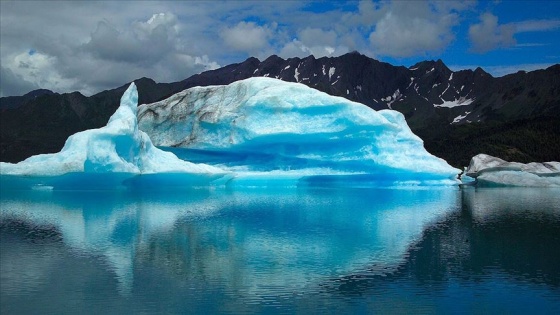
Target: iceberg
[258, 132]
[492, 171]
[114, 155]
[266, 130]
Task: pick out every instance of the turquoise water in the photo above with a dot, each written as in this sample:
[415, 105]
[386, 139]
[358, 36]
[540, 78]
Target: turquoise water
[281, 251]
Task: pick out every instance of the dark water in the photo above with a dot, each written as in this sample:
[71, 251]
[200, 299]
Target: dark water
[281, 251]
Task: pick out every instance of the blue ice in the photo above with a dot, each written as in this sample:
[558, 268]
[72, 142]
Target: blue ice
[256, 132]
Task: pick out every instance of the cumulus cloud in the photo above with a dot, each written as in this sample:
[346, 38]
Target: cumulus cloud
[13, 84]
[38, 69]
[296, 48]
[168, 21]
[142, 43]
[313, 41]
[488, 34]
[368, 14]
[95, 55]
[317, 37]
[117, 42]
[246, 36]
[415, 28]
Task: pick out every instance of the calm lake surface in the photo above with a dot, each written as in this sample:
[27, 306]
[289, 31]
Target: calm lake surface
[303, 251]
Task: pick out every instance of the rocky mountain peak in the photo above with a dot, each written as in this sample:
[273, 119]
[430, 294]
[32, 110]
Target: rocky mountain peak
[480, 72]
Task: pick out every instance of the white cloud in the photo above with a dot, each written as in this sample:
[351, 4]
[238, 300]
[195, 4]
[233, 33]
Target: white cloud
[488, 34]
[412, 28]
[13, 84]
[531, 45]
[246, 36]
[296, 48]
[313, 41]
[116, 42]
[317, 37]
[104, 55]
[141, 42]
[203, 61]
[536, 25]
[367, 15]
[40, 70]
[168, 20]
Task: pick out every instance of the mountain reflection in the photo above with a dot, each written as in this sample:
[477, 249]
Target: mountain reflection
[512, 233]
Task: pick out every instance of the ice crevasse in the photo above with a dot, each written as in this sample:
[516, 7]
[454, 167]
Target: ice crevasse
[255, 132]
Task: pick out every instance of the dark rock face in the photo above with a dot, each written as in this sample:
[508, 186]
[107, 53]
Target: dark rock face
[447, 109]
[12, 102]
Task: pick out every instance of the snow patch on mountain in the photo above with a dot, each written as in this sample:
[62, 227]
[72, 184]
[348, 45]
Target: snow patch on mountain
[410, 84]
[460, 117]
[447, 88]
[392, 98]
[461, 101]
[331, 72]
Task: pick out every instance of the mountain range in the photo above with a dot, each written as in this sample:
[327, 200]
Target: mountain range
[458, 114]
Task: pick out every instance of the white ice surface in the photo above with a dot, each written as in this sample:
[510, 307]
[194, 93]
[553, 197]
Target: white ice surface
[493, 171]
[307, 128]
[119, 147]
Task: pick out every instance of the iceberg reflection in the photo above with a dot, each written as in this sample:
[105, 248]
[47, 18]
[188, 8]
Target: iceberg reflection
[244, 242]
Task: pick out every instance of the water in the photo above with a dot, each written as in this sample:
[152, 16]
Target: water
[304, 251]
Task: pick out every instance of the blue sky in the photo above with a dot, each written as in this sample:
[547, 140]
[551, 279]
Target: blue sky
[91, 46]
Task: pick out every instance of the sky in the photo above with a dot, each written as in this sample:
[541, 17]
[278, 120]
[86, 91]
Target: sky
[91, 46]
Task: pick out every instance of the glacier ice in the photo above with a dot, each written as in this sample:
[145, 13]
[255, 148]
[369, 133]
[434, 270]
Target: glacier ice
[262, 128]
[108, 156]
[493, 171]
[256, 132]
